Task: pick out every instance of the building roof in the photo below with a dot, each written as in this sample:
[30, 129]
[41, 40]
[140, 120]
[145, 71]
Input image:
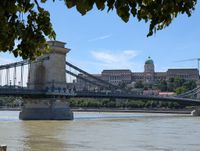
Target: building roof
[183, 70]
[117, 70]
[149, 61]
[97, 75]
[167, 93]
[56, 43]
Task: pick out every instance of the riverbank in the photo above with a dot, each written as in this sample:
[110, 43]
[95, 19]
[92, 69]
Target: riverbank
[170, 111]
[10, 109]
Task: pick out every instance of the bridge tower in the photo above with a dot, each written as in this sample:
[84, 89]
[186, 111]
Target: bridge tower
[198, 86]
[196, 111]
[49, 75]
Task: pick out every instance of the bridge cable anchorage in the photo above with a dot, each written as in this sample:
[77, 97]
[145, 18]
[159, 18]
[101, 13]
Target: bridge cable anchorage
[93, 77]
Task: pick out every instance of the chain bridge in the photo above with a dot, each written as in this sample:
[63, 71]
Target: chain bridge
[48, 81]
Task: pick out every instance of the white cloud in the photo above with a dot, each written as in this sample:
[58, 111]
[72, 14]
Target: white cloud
[99, 38]
[116, 59]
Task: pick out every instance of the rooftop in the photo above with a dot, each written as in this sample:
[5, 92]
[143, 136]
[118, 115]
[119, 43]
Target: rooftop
[149, 61]
[57, 43]
[117, 70]
[183, 70]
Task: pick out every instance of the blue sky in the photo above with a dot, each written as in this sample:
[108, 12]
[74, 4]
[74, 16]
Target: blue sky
[101, 40]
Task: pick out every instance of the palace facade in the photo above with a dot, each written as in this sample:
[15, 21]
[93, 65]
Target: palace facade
[149, 75]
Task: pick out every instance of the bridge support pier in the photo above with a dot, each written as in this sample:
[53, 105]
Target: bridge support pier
[45, 109]
[196, 111]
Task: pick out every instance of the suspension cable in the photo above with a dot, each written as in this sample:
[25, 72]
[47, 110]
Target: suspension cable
[70, 77]
[82, 78]
[22, 71]
[1, 73]
[7, 76]
[97, 79]
[14, 76]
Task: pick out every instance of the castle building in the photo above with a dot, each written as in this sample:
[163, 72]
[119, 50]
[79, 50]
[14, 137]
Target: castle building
[117, 76]
[150, 76]
[82, 84]
[187, 74]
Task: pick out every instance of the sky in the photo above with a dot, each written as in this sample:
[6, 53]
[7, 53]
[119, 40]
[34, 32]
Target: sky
[101, 40]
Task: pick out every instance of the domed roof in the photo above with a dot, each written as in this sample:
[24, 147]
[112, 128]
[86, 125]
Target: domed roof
[149, 61]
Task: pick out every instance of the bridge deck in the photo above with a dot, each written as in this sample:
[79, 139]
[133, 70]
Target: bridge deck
[24, 92]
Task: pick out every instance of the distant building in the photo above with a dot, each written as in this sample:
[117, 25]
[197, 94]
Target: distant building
[150, 76]
[117, 76]
[82, 83]
[187, 74]
[126, 76]
[164, 94]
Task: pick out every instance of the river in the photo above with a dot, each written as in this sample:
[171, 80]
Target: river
[102, 132]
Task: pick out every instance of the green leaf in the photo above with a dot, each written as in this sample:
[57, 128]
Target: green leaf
[100, 4]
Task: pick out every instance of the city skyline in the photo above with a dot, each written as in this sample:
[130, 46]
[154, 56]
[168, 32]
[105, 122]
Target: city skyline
[103, 84]
[101, 40]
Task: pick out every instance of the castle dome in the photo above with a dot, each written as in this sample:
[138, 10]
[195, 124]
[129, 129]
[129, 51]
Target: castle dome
[149, 61]
[149, 66]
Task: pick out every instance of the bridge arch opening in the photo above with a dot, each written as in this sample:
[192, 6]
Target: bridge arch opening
[40, 74]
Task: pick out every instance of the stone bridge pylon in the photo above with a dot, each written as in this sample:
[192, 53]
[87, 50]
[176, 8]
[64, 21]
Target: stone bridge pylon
[49, 75]
[198, 86]
[50, 72]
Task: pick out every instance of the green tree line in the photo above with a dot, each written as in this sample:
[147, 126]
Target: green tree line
[177, 85]
[102, 103]
[123, 104]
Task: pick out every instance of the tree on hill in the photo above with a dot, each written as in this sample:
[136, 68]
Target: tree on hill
[177, 85]
[26, 22]
[180, 90]
[163, 85]
[139, 84]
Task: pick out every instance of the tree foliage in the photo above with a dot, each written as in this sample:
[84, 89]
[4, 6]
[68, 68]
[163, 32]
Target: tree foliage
[177, 85]
[139, 84]
[122, 104]
[28, 24]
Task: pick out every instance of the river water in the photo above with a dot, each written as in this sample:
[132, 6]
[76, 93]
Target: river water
[102, 132]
